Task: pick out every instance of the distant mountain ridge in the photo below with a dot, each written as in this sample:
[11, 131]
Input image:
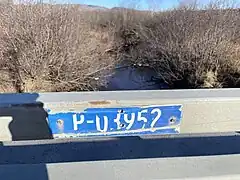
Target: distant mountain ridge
[93, 7]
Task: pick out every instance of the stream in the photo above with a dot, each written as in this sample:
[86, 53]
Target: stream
[131, 78]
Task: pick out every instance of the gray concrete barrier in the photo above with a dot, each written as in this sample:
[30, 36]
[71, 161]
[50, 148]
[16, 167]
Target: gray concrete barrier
[177, 157]
[198, 151]
[25, 116]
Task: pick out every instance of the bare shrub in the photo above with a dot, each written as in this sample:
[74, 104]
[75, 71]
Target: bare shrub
[47, 47]
[51, 48]
[188, 48]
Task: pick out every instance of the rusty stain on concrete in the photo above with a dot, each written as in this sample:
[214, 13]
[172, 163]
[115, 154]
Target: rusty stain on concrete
[99, 102]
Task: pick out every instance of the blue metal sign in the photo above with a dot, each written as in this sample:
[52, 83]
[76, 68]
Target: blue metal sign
[116, 121]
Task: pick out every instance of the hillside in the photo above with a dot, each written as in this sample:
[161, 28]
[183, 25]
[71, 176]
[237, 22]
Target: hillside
[78, 47]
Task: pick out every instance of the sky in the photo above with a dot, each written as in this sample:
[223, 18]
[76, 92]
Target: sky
[138, 4]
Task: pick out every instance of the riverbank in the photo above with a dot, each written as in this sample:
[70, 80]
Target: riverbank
[54, 48]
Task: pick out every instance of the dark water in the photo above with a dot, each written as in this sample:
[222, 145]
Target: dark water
[130, 78]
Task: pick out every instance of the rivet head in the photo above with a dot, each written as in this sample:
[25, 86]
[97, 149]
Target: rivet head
[172, 120]
[60, 124]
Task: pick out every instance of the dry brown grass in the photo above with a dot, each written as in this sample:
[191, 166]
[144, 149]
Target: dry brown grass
[51, 48]
[65, 48]
[186, 47]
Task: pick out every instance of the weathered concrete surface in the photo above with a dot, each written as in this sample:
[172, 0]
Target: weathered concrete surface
[203, 110]
[170, 168]
[186, 157]
[211, 168]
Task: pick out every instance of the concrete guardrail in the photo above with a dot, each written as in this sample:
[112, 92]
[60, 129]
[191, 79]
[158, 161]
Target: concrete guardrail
[24, 116]
[201, 142]
[176, 157]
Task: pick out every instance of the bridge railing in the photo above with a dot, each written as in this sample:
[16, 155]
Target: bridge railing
[32, 116]
[179, 134]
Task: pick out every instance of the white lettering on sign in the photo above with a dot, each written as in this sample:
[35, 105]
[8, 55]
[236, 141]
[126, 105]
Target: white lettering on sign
[90, 121]
[105, 123]
[129, 121]
[131, 118]
[159, 113]
[77, 122]
[141, 118]
[117, 121]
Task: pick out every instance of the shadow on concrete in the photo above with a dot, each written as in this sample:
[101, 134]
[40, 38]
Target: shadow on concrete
[28, 122]
[24, 172]
[118, 149]
[21, 119]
